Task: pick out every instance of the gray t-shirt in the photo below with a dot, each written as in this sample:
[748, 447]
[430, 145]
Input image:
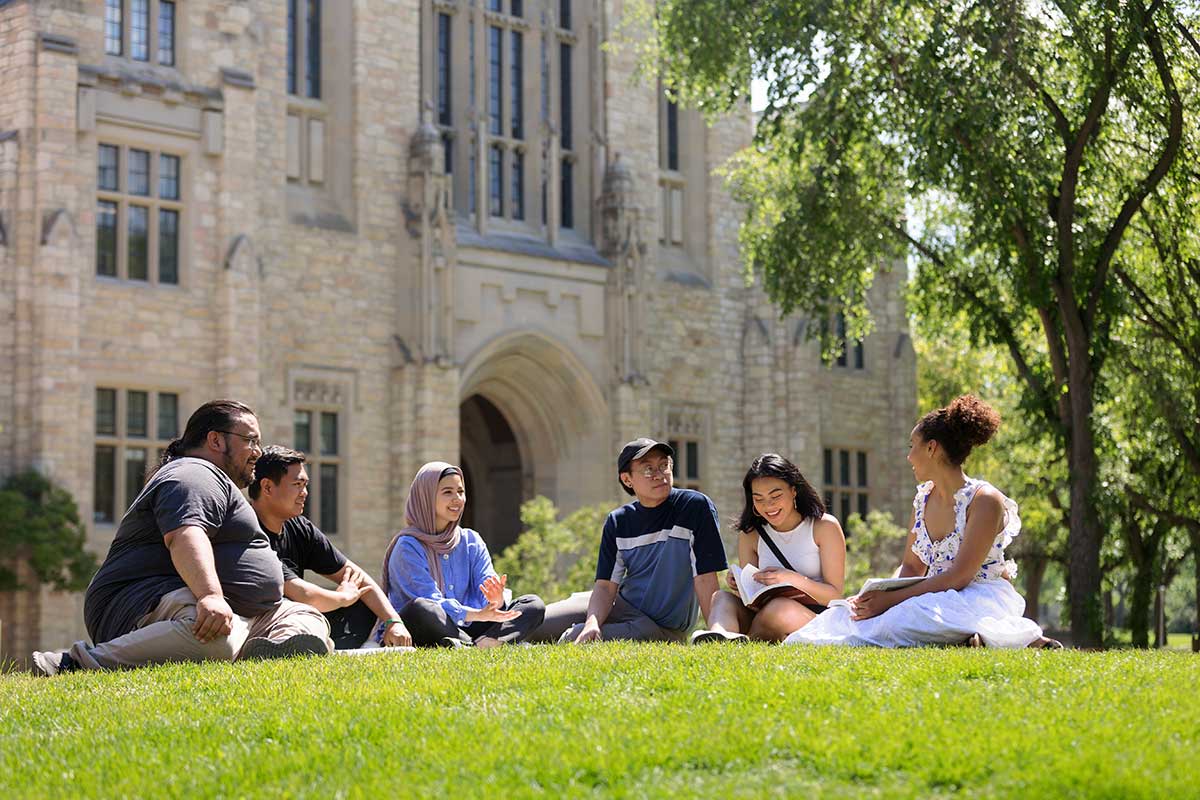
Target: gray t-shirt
[138, 571]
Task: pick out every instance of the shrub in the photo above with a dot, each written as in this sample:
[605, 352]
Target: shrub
[39, 524]
[874, 547]
[553, 558]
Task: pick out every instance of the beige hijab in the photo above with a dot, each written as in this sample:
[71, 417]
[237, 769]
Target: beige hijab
[420, 520]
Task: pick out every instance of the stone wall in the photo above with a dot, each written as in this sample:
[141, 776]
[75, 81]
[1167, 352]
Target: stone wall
[379, 304]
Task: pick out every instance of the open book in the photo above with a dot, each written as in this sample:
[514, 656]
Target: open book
[754, 593]
[880, 585]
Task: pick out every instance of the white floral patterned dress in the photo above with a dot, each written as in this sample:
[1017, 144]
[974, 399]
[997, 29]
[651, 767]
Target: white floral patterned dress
[988, 605]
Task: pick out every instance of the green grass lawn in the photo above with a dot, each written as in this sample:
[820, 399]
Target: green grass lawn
[616, 720]
[1121, 637]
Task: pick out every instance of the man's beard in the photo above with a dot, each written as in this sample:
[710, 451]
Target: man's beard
[241, 477]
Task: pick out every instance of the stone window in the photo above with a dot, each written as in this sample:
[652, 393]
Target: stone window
[851, 355]
[133, 428]
[847, 483]
[139, 214]
[687, 463]
[496, 60]
[304, 48]
[138, 29]
[318, 124]
[686, 433]
[318, 435]
[682, 180]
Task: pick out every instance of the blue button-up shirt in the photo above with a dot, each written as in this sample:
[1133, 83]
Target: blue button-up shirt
[463, 570]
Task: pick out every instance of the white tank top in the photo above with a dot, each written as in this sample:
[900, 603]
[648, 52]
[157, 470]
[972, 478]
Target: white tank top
[797, 546]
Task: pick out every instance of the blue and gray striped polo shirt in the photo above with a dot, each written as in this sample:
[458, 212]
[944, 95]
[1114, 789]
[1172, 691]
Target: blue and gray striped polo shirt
[655, 553]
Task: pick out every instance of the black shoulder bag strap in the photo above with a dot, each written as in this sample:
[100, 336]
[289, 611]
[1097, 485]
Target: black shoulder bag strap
[762, 534]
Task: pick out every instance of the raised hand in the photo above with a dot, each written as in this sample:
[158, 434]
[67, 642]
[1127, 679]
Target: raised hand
[493, 590]
[349, 592]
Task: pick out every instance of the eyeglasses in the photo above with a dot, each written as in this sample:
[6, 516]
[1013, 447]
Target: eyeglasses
[663, 469]
[253, 441]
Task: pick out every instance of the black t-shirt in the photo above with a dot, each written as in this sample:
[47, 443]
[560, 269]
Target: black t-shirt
[138, 570]
[301, 545]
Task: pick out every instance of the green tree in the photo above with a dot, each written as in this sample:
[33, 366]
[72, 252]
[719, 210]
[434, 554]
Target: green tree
[1025, 136]
[553, 558]
[39, 525]
[1157, 399]
[874, 547]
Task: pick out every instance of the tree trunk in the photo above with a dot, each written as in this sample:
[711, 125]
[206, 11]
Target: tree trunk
[1034, 568]
[1195, 536]
[1144, 587]
[1083, 539]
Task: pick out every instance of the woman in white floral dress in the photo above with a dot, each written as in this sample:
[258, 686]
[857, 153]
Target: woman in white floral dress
[960, 527]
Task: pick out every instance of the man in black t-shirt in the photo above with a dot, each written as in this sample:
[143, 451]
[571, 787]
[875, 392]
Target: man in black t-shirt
[357, 606]
[190, 575]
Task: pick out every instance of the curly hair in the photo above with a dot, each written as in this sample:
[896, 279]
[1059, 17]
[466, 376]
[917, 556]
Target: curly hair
[966, 423]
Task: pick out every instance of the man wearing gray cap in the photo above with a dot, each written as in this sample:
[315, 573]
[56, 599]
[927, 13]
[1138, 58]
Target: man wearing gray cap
[659, 557]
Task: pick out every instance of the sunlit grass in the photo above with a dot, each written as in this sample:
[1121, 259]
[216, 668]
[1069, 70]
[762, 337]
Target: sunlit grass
[617, 720]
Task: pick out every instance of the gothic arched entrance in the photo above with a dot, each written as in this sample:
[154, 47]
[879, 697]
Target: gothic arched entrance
[532, 422]
[491, 462]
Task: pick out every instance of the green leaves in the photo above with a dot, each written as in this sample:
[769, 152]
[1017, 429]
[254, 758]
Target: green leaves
[553, 558]
[40, 525]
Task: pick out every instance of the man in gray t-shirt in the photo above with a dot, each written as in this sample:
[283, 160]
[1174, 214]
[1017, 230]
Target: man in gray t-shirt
[190, 574]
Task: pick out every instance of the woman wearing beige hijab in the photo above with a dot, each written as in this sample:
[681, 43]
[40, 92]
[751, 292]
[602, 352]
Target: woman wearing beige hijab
[440, 575]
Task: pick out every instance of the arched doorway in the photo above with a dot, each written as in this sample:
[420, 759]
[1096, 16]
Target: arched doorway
[491, 462]
[532, 422]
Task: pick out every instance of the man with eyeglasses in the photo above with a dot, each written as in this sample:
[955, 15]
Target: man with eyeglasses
[659, 559]
[190, 574]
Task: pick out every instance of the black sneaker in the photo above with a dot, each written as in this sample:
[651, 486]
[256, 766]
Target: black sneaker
[451, 641]
[302, 644]
[52, 662]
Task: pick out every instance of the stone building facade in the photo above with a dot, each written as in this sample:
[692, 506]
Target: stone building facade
[402, 230]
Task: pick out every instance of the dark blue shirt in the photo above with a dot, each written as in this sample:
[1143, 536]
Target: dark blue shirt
[656, 553]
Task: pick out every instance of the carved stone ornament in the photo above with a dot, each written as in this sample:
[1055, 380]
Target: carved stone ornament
[688, 421]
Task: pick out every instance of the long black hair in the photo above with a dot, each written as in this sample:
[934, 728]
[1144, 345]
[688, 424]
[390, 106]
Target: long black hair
[215, 415]
[773, 465]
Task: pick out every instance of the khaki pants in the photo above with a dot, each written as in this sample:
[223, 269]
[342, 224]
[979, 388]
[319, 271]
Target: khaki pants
[564, 620]
[165, 634]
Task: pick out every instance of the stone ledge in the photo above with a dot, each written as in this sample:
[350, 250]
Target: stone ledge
[159, 80]
[530, 246]
[57, 43]
[238, 78]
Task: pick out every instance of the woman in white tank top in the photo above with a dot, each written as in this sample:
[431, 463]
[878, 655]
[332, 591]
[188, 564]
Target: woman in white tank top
[809, 556]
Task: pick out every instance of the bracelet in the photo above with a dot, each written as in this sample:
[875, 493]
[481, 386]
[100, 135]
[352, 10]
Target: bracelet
[391, 621]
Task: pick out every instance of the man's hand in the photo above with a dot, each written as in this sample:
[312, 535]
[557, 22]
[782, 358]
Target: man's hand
[590, 632]
[214, 618]
[396, 635]
[348, 592]
[353, 574]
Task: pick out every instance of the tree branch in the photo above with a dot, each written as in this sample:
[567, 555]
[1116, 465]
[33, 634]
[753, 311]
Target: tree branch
[1006, 333]
[1148, 184]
